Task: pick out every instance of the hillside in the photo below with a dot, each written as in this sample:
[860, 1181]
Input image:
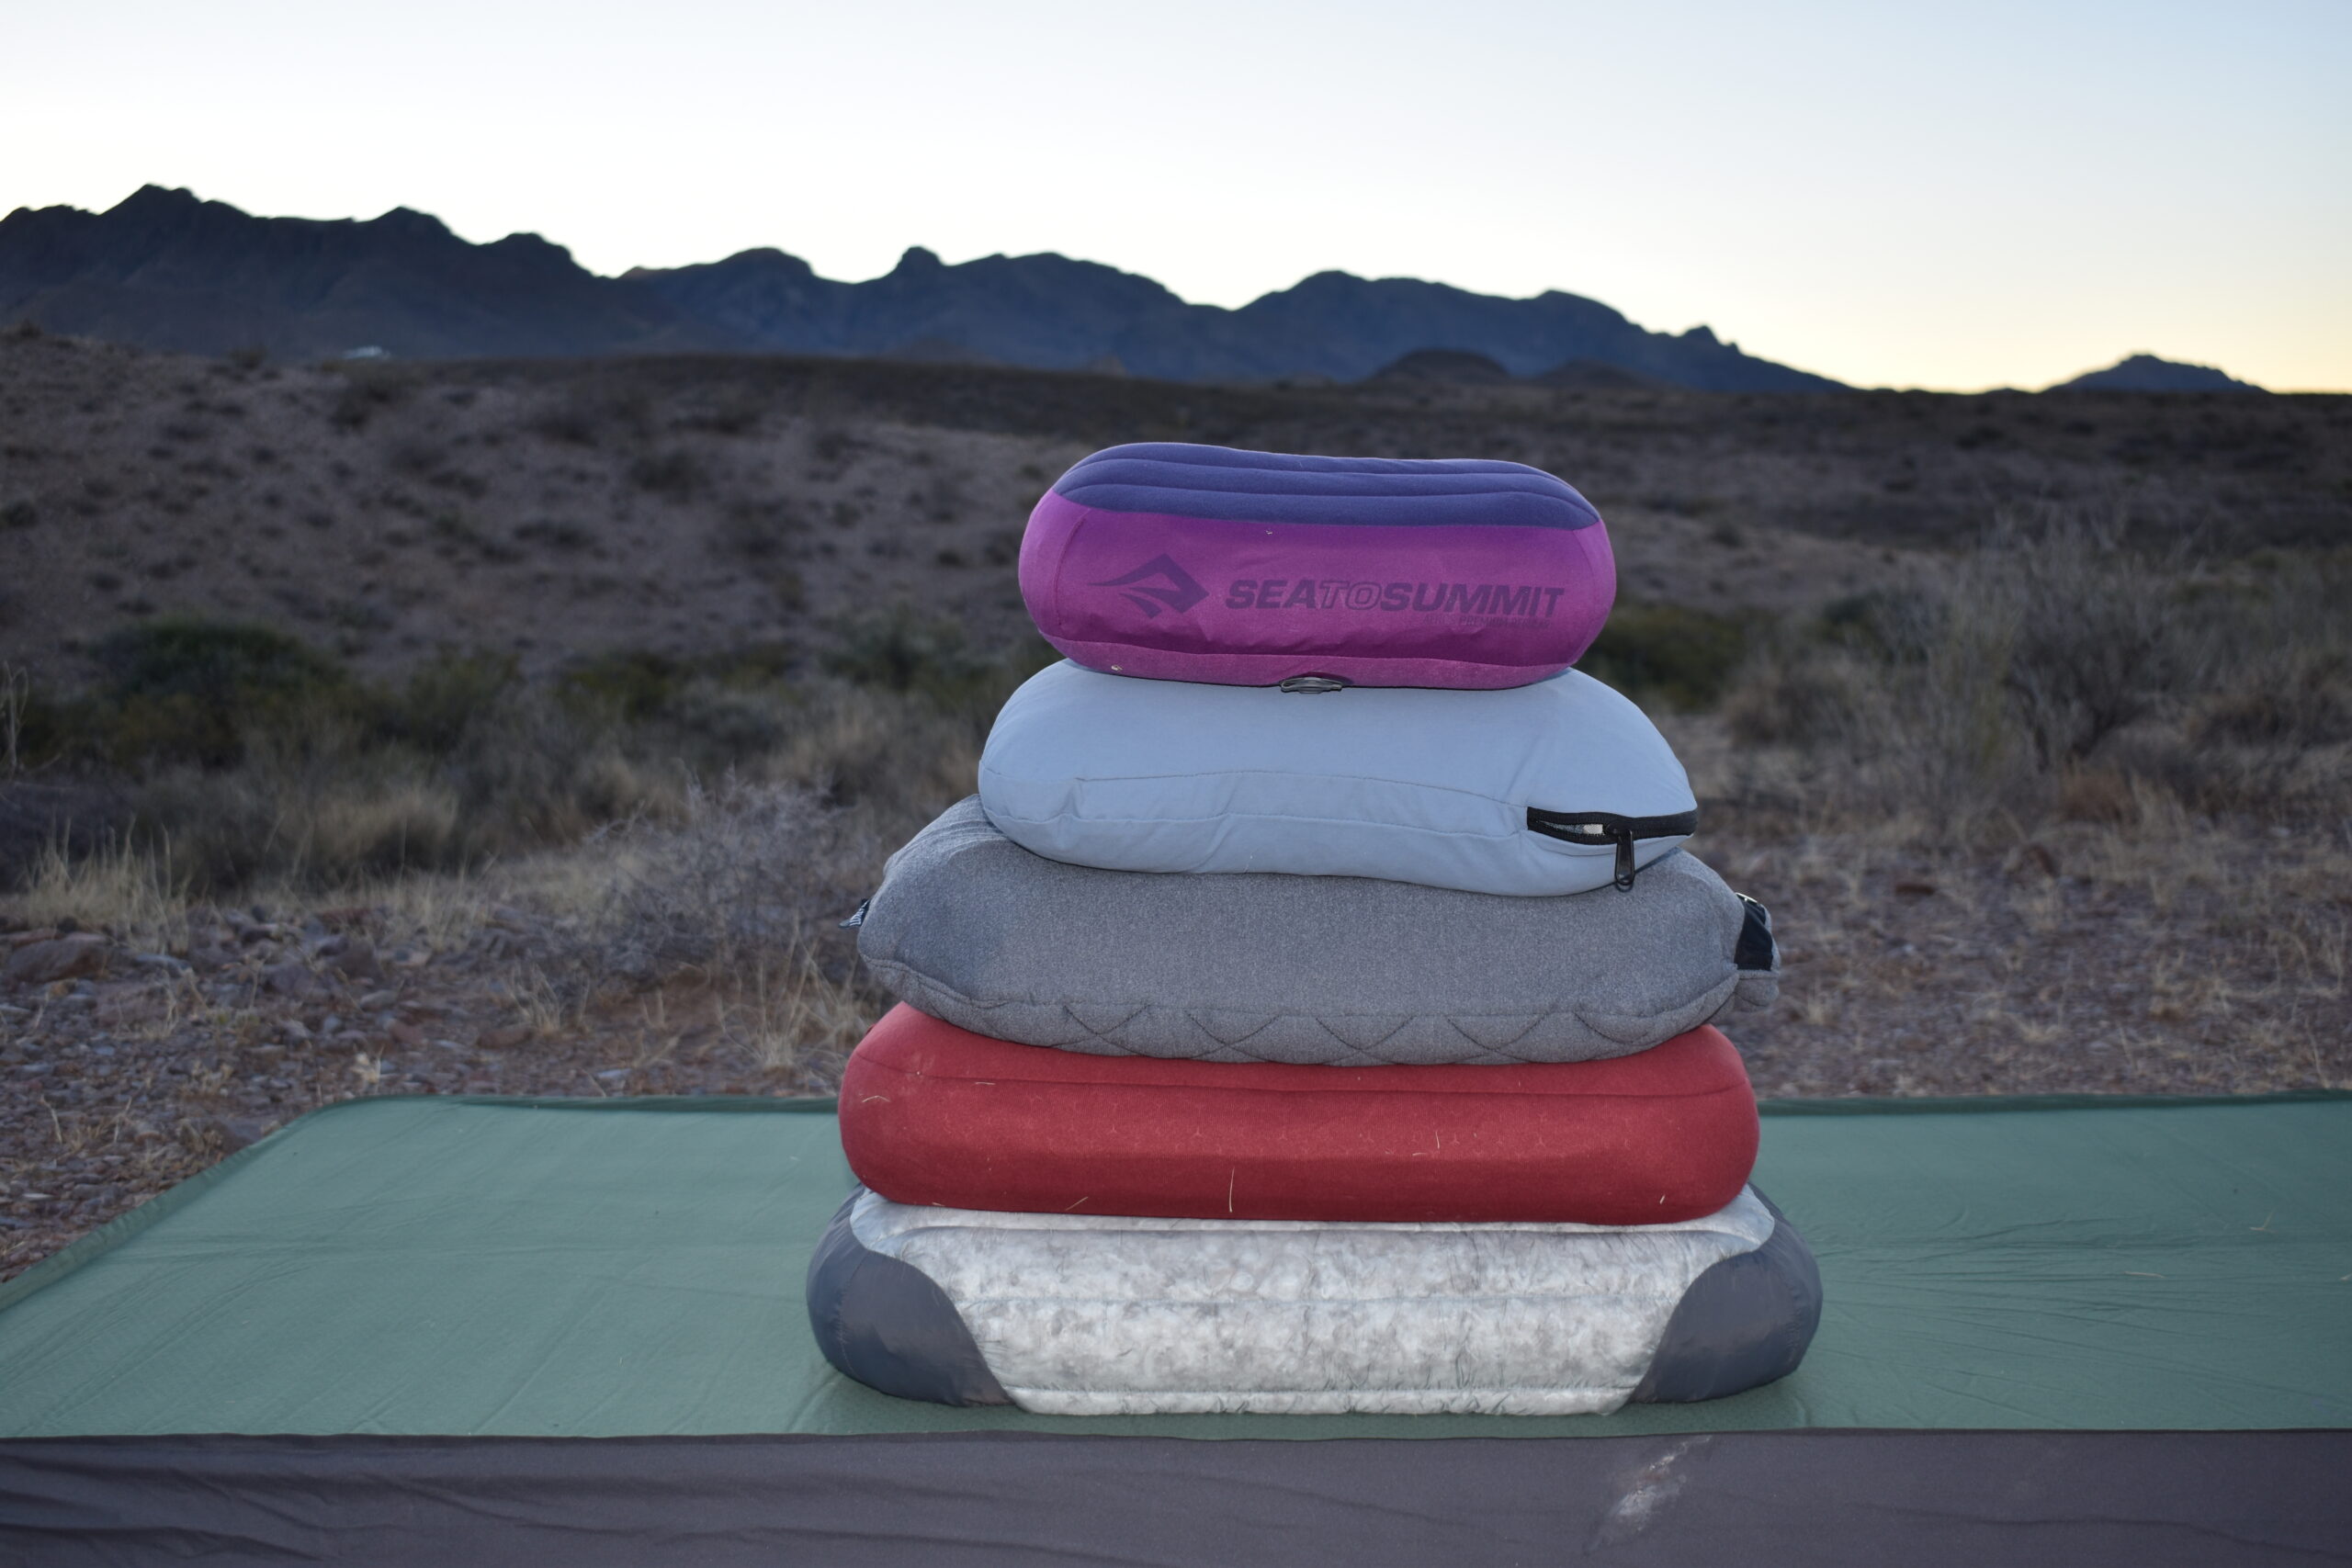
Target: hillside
[164, 270]
[691, 503]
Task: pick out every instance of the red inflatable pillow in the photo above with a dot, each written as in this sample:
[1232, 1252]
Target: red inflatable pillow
[934, 1114]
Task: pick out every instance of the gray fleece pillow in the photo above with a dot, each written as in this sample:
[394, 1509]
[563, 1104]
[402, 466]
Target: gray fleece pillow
[1350, 971]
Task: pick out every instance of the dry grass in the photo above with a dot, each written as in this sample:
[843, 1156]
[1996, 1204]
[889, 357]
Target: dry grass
[119, 887]
[788, 1012]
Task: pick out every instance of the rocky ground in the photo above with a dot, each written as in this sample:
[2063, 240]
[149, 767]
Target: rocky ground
[124, 1071]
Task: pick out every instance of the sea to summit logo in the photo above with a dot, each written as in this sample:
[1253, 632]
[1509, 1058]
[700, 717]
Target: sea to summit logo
[1471, 600]
[1160, 584]
[1174, 589]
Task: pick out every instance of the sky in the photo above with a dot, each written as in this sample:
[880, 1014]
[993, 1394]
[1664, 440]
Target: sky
[1952, 196]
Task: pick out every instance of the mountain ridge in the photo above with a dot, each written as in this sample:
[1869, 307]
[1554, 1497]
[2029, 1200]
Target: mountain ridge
[165, 269]
[2150, 373]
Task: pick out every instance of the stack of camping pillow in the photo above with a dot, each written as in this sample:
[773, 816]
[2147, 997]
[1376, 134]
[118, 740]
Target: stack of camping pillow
[1313, 1011]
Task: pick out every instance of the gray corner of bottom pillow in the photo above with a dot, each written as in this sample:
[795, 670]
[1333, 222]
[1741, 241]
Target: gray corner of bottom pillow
[884, 1323]
[1744, 1323]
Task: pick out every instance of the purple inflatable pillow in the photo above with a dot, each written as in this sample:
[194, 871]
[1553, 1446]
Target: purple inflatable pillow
[1251, 569]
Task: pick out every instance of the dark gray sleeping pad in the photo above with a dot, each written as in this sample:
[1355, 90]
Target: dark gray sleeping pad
[1744, 1323]
[1339, 970]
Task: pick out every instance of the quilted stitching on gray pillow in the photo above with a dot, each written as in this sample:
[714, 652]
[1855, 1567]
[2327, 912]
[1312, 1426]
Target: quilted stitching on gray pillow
[1330, 971]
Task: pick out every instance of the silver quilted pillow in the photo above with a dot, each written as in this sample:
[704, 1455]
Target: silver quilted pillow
[1072, 1315]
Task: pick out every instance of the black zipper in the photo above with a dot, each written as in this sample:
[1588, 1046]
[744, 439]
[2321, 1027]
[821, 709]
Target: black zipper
[1756, 948]
[1608, 828]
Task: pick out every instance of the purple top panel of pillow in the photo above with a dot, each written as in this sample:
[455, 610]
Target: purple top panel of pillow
[1172, 478]
[1201, 563]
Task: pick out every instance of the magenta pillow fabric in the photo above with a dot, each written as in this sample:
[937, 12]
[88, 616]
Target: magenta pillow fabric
[1178, 562]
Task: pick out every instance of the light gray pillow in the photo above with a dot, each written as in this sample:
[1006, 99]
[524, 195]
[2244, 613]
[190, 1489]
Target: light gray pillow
[1557, 787]
[970, 927]
[1077, 1314]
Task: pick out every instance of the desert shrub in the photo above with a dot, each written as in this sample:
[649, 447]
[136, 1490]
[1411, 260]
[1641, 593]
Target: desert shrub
[2308, 702]
[940, 499]
[742, 868]
[899, 759]
[1792, 697]
[629, 684]
[252, 757]
[366, 391]
[832, 443]
[557, 534]
[214, 662]
[2057, 670]
[708, 715]
[1897, 624]
[281, 816]
[189, 691]
[735, 412]
[739, 890]
[594, 413]
[672, 473]
[16, 697]
[899, 651]
[543, 775]
[2096, 636]
[387, 826]
[717, 723]
[1667, 653]
[330, 803]
[758, 530]
[567, 423]
[35, 729]
[447, 697]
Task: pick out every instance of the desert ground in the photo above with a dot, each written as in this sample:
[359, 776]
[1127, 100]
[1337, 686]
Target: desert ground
[524, 727]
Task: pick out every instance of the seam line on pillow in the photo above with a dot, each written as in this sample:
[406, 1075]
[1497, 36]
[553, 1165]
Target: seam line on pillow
[873, 1065]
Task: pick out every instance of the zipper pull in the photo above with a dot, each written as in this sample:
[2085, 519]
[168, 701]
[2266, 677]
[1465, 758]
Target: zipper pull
[1624, 837]
[856, 917]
